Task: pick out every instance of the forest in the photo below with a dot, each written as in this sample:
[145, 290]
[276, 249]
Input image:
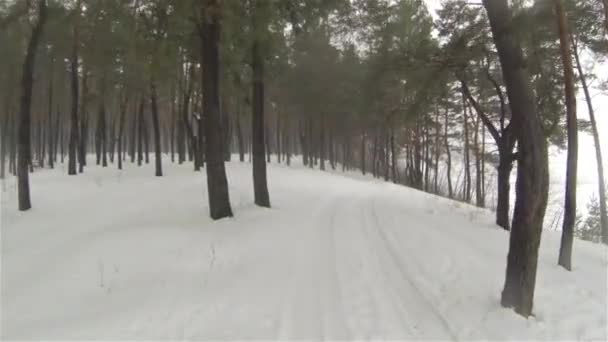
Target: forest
[459, 99]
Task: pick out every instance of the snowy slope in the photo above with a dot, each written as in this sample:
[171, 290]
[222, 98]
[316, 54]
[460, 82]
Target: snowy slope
[125, 255]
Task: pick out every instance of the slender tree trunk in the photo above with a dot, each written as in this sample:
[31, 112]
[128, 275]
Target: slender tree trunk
[565, 251]
[146, 138]
[50, 125]
[121, 128]
[278, 137]
[427, 155]
[140, 131]
[74, 83]
[596, 140]
[217, 184]
[322, 144]
[446, 143]
[239, 136]
[363, 153]
[155, 123]
[532, 171]
[260, 186]
[478, 195]
[84, 129]
[133, 139]
[467, 159]
[24, 144]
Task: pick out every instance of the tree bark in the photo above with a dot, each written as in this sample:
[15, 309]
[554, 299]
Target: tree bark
[565, 251]
[121, 128]
[239, 136]
[466, 196]
[446, 142]
[260, 186]
[217, 184]
[72, 146]
[363, 153]
[532, 172]
[84, 129]
[50, 124]
[596, 140]
[140, 131]
[24, 144]
[158, 166]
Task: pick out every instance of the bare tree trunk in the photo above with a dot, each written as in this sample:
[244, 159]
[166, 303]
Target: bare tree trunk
[121, 128]
[239, 136]
[155, 124]
[140, 131]
[72, 146]
[565, 250]
[478, 195]
[50, 124]
[596, 140]
[84, 129]
[532, 172]
[260, 186]
[448, 154]
[363, 153]
[24, 144]
[322, 144]
[217, 184]
[466, 196]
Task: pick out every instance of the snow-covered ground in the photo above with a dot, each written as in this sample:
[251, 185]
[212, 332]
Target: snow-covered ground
[124, 255]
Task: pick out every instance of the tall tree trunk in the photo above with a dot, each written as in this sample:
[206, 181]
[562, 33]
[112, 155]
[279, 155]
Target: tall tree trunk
[363, 153]
[478, 195]
[565, 250]
[50, 124]
[239, 136]
[146, 138]
[158, 166]
[121, 128]
[260, 186]
[84, 129]
[446, 143]
[74, 83]
[24, 144]
[532, 171]
[466, 196]
[322, 144]
[140, 131]
[217, 184]
[278, 137]
[596, 140]
[133, 137]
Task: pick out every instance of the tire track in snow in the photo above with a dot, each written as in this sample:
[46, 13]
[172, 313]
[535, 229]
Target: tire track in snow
[409, 283]
[382, 300]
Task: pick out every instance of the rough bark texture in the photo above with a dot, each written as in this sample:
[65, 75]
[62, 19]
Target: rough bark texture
[565, 250]
[217, 184]
[532, 172]
[24, 144]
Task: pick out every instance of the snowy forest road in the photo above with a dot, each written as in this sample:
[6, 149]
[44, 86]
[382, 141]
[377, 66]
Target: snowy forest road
[111, 255]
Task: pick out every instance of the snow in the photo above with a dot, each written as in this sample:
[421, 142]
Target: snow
[125, 255]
